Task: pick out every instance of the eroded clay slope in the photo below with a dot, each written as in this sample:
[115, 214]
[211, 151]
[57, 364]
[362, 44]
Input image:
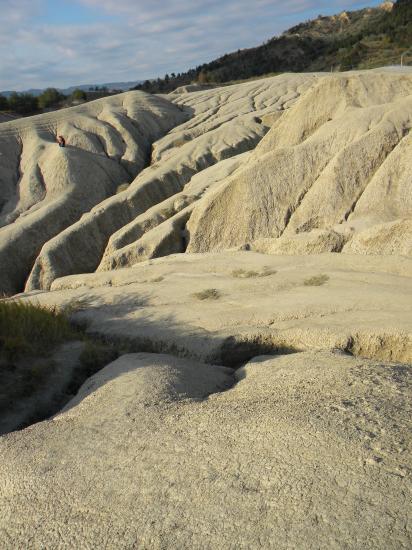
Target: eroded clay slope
[44, 188]
[333, 174]
[223, 122]
[309, 450]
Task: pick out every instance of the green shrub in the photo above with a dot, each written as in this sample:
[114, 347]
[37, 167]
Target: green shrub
[4, 104]
[49, 98]
[78, 95]
[22, 103]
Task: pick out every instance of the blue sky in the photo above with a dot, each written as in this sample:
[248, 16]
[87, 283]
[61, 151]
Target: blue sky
[62, 43]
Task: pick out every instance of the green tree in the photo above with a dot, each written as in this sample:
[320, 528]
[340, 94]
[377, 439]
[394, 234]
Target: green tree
[203, 77]
[78, 95]
[4, 104]
[49, 98]
[23, 103]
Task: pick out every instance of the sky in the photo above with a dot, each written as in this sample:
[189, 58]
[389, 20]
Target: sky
[71, 42]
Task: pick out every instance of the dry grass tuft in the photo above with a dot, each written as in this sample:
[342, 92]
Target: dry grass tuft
[30, 329]
[208, 294]
[317, 280]
[244, 274]
[29, 333]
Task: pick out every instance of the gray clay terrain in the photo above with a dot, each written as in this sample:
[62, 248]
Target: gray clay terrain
[247, 250]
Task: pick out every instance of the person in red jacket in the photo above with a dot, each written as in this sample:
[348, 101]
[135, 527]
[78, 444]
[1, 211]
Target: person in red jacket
[61, 141]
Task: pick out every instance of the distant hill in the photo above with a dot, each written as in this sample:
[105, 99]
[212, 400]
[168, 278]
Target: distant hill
[86, 87]
[361, 39]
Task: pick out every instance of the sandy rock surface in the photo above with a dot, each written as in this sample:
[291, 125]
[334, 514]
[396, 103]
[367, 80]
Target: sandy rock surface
[327, 170]
[222, 123]
[337, 160]
[264, 303]
[301, 451]
[45, 188]
[256, 278]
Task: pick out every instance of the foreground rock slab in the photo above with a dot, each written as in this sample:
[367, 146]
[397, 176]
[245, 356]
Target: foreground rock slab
[227, 307]
[309, 450]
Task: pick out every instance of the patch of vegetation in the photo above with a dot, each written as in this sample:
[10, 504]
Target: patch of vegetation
[207, 294]
[24, 103]
[363, 38]
[317, 280]
[28, 335]
[49, 98]
[78, 95]
[20, 381]
[244, 274]
[180, 142]
[156, 279]
[93, 358]
[122, 187]
[30, 329]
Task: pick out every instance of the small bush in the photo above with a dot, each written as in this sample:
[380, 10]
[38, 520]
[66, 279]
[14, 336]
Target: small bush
[122, 187]
[4, 104]
[49, 98]
[317, 280]
[22, 103]
[30, 329]
[78, 95]
[208, 294]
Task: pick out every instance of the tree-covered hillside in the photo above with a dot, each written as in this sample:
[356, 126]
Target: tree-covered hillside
[361, 39]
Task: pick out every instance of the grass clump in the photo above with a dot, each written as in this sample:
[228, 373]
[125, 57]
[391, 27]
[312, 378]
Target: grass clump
[30, 329]
[29, 333]
[317, 280]
[244, 274]
[207, 294]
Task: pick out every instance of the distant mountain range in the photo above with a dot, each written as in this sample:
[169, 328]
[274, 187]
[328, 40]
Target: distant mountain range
[86, 87]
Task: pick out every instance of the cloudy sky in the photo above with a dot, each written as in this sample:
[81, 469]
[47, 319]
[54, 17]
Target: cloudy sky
[68, 42]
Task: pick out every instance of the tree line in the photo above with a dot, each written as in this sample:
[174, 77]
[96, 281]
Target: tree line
[300, 53]
[25, 103]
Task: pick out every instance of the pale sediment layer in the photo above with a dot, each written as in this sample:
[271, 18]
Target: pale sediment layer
[327, 171]
[301, 451]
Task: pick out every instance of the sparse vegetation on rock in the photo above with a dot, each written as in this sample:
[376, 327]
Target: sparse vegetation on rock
[167, 399]
[208, 294]
[28, 329]
[316, 280]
